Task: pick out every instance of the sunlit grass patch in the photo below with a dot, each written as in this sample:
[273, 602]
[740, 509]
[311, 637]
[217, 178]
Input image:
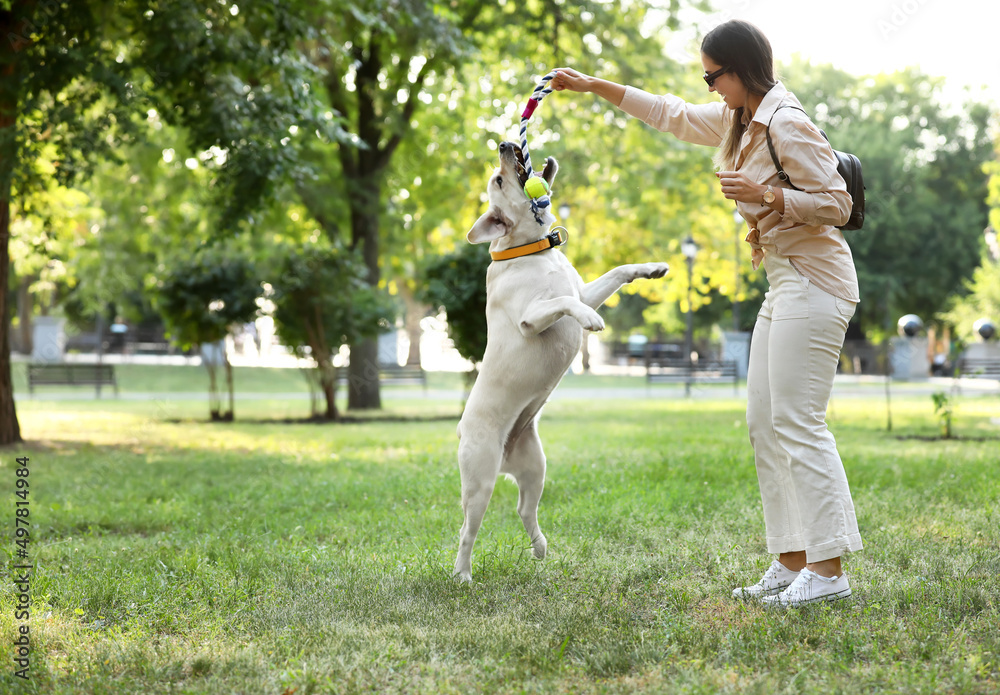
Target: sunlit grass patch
[177, 555]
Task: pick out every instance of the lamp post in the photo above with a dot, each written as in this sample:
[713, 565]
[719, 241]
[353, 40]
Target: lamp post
[690, 249]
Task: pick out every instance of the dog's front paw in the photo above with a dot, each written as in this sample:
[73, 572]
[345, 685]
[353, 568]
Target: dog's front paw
[653, 270]
[589, 319]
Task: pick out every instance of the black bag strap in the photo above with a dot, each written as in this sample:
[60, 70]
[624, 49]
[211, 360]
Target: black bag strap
[770, 145]
[848, 166]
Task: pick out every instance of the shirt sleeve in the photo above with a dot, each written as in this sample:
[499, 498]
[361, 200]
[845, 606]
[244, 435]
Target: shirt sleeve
[701, 124]
[808, 159]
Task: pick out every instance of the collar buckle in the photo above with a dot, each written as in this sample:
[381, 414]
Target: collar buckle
[557, 237]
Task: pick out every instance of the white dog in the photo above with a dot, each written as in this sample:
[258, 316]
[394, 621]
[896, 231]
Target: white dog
[537, 308]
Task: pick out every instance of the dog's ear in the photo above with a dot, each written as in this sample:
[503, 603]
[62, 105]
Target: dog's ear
[549, 172]
[493, 224]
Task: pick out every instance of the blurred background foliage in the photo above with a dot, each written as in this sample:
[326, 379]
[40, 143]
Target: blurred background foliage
[132, 131]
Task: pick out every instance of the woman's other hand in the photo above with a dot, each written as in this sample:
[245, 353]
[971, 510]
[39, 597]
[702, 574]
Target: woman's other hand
[736, 186]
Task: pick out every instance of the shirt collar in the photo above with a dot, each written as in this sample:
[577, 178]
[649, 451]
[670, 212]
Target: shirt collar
[770, 103]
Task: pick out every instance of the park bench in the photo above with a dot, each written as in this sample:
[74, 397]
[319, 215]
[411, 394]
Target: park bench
[147, 340]
[402, 375]
[395, 375]
[981, 367]
[96, 375]
[684, 371]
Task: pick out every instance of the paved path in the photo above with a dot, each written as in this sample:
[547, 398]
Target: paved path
[845, 386]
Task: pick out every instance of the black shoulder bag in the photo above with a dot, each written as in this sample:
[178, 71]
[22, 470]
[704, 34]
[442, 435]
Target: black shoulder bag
[848, 166]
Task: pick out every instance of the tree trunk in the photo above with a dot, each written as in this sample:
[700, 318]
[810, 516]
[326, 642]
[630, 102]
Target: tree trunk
[10, 87]
[328, 382]
[414, 314]
[213, 393]
[231, 415]
[312, 381]
[10, 429]
[362, 377]
[362, 372]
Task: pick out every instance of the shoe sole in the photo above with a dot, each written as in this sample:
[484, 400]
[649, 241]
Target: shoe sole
[827, 598]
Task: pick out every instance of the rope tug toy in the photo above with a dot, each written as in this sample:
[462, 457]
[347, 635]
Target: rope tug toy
[536, 188]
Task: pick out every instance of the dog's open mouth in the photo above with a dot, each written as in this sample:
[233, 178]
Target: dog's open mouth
[522, 173]
[511, 154]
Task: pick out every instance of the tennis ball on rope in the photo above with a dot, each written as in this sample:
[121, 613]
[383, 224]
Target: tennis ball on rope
[536, 187]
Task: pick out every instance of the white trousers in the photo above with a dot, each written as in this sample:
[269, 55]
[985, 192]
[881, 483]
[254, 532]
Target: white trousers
[793, 360]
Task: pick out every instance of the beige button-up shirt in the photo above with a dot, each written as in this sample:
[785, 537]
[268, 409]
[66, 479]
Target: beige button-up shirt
[806, 233]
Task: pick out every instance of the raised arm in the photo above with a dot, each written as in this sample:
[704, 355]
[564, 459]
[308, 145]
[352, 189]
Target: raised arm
[701, 124]
[567, 78]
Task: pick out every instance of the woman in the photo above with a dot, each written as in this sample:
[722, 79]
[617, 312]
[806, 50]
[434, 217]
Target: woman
[808, 511]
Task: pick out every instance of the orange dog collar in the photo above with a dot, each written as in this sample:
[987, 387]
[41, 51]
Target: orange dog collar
[556, 238]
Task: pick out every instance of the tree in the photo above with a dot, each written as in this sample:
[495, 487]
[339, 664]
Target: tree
[74, 76]
[39, 70]
[321, 301]
[981, 301]
[47, 230]
[633, 193]
[926, 191]
[982, 296]
[201, 298]
[378, 57]
[413, 74]
[168, 207]
[456, 282]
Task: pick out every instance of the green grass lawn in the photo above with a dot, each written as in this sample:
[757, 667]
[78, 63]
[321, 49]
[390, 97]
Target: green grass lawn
[177, 556]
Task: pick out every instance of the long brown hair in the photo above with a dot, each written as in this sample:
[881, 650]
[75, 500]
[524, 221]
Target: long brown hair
[745, 51]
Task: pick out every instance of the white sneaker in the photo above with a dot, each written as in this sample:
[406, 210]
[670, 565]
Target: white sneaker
[808, 588]
[775, 579]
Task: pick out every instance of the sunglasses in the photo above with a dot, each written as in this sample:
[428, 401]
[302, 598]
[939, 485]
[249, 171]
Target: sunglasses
[710, 78]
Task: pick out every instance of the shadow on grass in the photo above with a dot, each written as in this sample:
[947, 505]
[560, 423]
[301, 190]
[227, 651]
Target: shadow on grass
[953, 438]
[373, 418]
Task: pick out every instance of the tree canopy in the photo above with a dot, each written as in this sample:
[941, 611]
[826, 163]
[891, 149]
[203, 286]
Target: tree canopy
[926, 190]
[374, 124]
[201, 297]
[77, 80]
[321, 302]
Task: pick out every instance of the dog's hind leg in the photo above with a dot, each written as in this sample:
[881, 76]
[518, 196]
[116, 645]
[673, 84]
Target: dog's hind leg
[479, 458]
[525, 461]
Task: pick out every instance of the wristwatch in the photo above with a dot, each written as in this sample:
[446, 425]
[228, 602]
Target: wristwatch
[769, 196]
